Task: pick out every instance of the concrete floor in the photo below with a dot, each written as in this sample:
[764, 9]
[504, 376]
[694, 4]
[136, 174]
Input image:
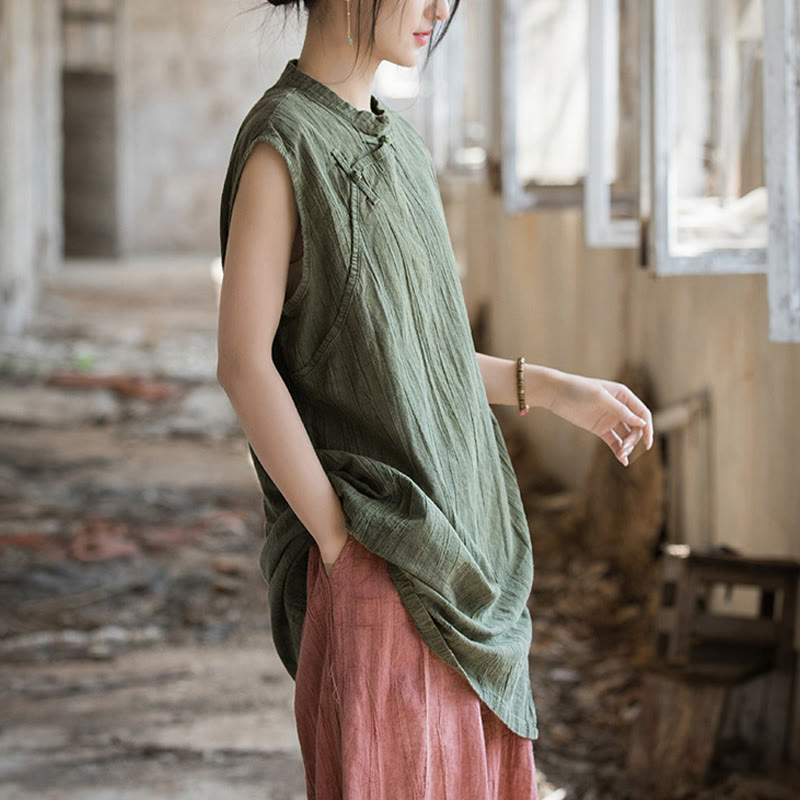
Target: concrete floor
[212, 721]
[136, 657]
[176, 718]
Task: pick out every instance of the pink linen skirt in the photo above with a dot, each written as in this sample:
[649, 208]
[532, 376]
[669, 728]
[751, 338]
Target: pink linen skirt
[379, 715]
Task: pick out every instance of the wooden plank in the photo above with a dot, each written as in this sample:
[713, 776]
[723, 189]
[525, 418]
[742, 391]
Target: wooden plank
[599, 228]
[744, 630]
[741, 573]
[672, 741]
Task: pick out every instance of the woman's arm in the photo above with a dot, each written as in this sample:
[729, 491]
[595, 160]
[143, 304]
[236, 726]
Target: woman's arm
[263, 225]
[500, 380]
[608, 409]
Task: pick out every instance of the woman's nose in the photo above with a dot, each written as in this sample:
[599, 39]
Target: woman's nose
[441, 9]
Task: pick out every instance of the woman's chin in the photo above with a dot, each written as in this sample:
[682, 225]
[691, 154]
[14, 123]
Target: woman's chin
[406, 59]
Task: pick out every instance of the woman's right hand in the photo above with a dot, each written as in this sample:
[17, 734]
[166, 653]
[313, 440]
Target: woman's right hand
[331, 549]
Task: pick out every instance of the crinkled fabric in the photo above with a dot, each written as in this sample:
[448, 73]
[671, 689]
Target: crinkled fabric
[379, 715]
[376, 350]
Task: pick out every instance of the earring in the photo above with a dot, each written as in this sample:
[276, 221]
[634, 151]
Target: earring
[349, 36]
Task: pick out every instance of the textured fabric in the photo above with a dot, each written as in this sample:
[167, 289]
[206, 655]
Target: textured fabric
[379, 715]
[376, 350]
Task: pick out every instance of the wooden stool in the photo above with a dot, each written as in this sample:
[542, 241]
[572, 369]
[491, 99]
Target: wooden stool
[703, 660]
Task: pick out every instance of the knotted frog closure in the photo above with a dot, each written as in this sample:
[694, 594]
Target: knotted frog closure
[355, 169]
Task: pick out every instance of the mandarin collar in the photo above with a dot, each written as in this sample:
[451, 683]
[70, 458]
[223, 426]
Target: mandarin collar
[374, 122]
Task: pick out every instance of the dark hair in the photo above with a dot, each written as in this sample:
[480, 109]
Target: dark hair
[309, 5]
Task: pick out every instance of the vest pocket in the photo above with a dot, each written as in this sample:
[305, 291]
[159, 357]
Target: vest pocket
[350, 282]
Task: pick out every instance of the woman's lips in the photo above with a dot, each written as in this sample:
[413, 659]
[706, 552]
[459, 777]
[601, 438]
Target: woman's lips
[422, 38]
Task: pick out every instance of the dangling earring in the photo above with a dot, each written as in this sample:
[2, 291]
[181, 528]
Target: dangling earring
[349, 36]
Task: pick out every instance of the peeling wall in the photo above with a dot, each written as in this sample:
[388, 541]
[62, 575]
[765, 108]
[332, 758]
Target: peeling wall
[585, 311]
[30, 201]
[189, 70]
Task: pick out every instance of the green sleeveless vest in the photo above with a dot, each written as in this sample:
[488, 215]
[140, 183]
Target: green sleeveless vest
[375, 347]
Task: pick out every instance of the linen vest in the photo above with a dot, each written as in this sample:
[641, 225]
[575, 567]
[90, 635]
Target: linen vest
[375, 347]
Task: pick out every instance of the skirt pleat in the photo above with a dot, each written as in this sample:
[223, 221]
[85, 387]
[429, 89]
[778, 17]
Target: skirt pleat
[379, 715]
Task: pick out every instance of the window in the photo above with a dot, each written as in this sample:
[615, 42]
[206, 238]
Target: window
[618, 128]
[671, 121]
[782, 138]
[708, 189]
[544, 108]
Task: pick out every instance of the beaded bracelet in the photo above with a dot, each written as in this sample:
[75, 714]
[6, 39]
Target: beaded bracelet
[523, 406]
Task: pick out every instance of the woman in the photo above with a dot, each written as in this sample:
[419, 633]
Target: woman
[397, 552]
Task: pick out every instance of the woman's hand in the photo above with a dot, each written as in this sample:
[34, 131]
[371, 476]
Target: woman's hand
[331, 549]
[607, 409]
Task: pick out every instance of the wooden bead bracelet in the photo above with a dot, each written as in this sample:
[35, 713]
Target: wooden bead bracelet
[523, 406]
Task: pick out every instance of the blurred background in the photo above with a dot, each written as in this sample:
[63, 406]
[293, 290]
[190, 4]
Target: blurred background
[621, 185]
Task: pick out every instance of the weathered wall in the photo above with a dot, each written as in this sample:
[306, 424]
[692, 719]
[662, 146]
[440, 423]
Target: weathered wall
[30, 230]
[586, 310]
[188, 71]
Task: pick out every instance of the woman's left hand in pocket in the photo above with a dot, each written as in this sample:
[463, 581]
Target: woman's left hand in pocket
[330, 556]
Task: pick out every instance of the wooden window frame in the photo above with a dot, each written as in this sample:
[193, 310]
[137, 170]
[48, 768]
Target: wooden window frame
[781, 141]
[663, 192]
[516, 197]
[600, 230]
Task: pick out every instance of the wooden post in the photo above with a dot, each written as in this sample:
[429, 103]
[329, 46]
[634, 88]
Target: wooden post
[672, 740]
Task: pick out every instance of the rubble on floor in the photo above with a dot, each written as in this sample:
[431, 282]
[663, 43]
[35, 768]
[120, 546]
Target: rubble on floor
[135, 650]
